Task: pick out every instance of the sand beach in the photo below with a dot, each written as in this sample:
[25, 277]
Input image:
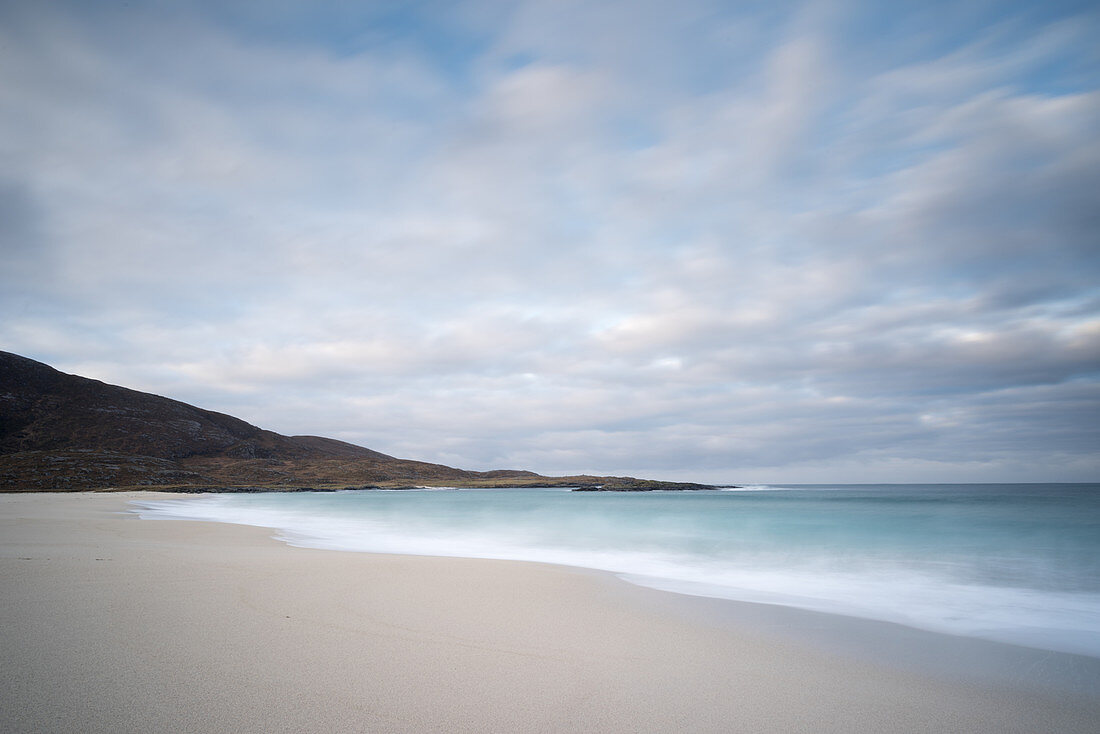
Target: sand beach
[111, 623]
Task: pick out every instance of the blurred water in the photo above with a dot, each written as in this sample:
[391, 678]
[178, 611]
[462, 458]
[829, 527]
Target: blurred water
[1017, 563]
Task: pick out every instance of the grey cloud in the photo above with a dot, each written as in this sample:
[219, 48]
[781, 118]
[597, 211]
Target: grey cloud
[803, 268]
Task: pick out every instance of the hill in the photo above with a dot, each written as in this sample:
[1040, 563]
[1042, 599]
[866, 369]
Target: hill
[61, 432]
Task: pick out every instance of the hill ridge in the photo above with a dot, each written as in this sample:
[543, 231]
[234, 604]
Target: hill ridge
[67, 432]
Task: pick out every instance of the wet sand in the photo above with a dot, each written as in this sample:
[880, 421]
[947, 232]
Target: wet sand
[110, 623]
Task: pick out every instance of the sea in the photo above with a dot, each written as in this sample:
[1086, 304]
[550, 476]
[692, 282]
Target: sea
[1016, 563]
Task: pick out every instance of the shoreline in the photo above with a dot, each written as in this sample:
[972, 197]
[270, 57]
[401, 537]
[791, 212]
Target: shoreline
[897, 595]
[116, 623]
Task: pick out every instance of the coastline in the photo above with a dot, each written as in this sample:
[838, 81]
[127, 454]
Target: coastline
[113, 623]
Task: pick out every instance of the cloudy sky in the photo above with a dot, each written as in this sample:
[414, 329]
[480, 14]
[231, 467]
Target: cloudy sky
[729, 241]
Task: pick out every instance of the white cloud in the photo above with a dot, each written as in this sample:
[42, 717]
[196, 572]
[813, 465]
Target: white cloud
[609, 238]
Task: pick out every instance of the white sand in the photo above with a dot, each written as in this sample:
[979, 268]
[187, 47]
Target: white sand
[109, 623]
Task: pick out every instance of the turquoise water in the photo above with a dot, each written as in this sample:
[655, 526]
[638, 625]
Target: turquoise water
[1016, 563]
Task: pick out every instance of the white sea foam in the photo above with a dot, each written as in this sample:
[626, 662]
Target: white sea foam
[1060, 622]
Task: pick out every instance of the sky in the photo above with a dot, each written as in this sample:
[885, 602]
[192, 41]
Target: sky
[835, 241]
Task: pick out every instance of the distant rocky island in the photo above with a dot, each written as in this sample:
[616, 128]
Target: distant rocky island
[61, 432]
